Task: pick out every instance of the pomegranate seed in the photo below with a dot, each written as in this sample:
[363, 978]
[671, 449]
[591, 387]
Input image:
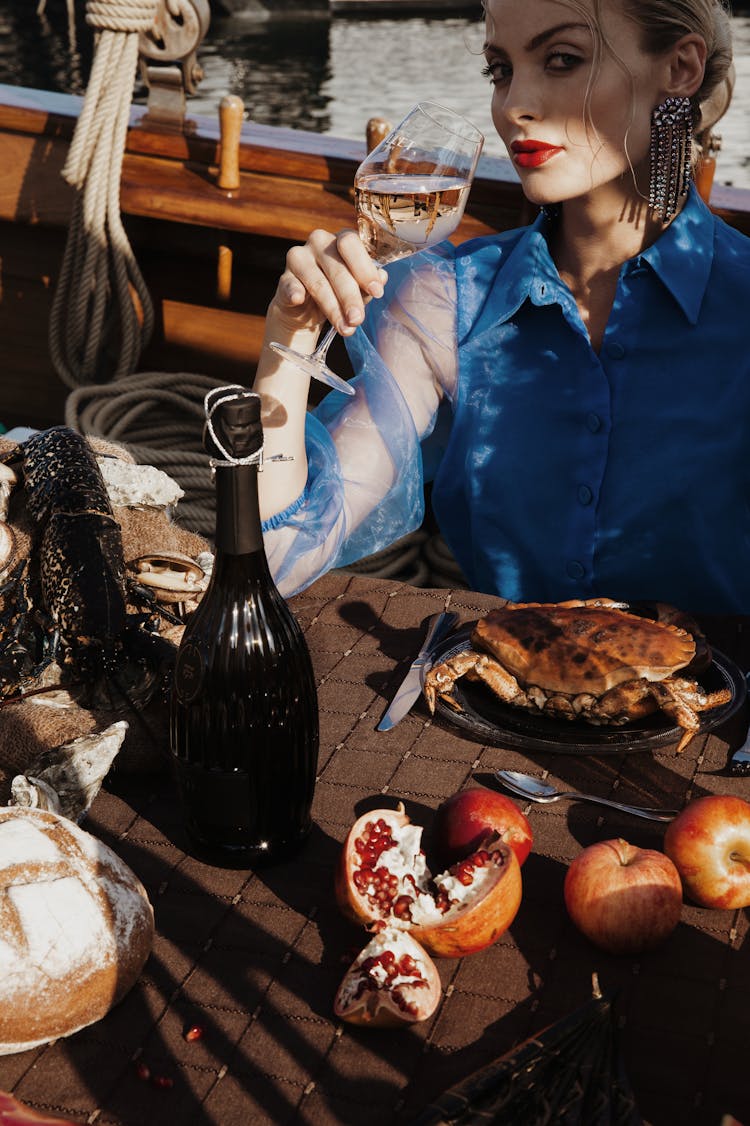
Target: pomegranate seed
[402, 907]
[407, 964]
[142, 1070]
[163, 1082]
[195, 1032]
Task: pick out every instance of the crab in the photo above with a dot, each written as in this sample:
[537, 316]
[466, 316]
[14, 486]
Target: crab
[590, 660]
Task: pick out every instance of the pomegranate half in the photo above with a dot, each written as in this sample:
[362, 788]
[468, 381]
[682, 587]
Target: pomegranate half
[393, 981]
[382, 878]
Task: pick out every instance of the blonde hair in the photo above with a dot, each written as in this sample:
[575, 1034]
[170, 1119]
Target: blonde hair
[662, 23]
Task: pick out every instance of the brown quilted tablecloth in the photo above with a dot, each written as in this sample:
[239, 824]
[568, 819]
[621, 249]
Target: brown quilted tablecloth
[255, 958]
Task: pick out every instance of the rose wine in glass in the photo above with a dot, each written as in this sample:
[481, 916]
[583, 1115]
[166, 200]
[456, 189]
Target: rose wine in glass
[410, 193]
[399, 214]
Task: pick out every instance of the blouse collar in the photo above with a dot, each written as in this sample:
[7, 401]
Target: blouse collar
[681, 258]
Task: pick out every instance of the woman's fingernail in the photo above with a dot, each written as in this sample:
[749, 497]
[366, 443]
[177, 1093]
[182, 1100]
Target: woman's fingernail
[383, 275]
[354, 315]
[375, 289]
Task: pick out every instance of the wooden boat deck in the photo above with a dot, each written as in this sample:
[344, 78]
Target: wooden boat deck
[181, 225]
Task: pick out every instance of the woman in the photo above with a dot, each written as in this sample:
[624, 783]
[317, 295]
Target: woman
[580, 387]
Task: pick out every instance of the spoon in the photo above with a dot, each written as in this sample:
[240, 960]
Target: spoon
[526, 786]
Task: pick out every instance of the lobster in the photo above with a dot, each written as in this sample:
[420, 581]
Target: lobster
[68, 604]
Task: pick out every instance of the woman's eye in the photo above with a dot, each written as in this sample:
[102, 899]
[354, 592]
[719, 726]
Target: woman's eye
[563, 60]
[496, 72]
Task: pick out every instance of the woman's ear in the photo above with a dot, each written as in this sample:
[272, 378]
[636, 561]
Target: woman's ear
[686, 64]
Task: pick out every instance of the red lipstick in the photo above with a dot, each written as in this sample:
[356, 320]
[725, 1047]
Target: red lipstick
[530, 154]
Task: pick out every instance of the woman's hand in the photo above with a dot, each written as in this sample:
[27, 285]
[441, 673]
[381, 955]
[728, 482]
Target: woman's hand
[328, 278]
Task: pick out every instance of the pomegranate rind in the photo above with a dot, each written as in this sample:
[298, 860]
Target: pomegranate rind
[466, 927]
[15, 1113]
[469, 818]
[350, 901]
[476, 925]
[376, 1006]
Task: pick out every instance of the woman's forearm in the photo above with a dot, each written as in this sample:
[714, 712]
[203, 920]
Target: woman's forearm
[283, 388]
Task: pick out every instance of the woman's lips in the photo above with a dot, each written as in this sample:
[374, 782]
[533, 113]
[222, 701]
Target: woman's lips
[530, 154]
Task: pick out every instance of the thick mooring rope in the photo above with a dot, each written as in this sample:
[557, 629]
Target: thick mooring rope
[101, 314]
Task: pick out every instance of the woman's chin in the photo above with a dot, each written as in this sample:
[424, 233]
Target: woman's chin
[540, 199]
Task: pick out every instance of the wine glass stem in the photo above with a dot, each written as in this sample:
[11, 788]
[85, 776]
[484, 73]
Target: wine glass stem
[319, 355]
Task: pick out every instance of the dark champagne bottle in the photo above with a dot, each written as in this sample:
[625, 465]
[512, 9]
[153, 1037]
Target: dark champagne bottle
[244, 710]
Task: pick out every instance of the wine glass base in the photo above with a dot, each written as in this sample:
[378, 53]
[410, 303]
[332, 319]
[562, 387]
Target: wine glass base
[316, 369]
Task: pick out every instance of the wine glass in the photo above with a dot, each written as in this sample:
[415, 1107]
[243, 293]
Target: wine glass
[409, 193]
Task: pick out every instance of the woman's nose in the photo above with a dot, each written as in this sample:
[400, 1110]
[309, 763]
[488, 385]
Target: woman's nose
[521, 101]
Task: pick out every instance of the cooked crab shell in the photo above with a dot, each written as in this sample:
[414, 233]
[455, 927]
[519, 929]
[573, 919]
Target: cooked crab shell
[588, 660]
[574, 648]
[171, 576]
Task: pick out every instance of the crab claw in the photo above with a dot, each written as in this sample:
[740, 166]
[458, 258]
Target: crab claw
[683, 701]
[440, 679]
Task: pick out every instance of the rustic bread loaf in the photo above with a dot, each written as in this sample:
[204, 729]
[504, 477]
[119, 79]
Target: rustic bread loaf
[76, 927]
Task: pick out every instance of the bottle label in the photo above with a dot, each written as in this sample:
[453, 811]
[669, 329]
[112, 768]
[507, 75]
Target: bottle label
[188, 673]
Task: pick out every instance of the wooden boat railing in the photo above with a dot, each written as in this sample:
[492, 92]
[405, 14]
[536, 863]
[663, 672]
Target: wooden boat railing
[210, 257]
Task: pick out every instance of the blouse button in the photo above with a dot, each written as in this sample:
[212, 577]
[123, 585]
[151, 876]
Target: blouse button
[574, 569]
[593, 422]
[585, 496]
[615, 350]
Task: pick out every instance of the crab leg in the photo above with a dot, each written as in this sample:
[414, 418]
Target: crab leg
[682, 701]
[439, 680]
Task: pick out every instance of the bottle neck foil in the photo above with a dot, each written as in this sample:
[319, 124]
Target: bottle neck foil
[238, 528]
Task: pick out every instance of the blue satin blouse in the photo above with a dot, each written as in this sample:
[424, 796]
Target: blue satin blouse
[558, 472]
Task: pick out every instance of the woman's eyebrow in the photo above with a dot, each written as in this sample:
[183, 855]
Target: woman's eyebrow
[543, 36]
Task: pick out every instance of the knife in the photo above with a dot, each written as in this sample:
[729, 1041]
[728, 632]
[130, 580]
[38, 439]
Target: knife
[438, 627]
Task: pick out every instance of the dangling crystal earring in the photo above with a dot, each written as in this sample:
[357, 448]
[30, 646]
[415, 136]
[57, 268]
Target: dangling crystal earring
[671, 142]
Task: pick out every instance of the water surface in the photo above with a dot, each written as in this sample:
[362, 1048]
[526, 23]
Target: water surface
[327, 75]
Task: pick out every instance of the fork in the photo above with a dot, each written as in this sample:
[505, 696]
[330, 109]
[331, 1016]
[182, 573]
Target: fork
[739, 763]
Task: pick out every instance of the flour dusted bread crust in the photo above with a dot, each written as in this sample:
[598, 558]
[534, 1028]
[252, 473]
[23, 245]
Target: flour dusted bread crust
[76, 927]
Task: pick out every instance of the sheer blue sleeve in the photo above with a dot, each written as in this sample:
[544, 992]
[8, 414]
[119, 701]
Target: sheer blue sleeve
[365, 485]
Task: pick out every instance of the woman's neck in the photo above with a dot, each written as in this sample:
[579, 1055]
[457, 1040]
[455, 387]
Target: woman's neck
[591, 239]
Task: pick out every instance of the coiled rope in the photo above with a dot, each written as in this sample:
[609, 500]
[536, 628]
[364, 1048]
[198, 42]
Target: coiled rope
[102, 315]
[158, 416]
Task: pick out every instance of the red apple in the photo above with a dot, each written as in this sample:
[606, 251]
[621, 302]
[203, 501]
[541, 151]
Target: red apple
[623, 898]
[465, 819]
[710, 844]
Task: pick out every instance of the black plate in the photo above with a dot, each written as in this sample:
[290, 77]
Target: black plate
[486, 719]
